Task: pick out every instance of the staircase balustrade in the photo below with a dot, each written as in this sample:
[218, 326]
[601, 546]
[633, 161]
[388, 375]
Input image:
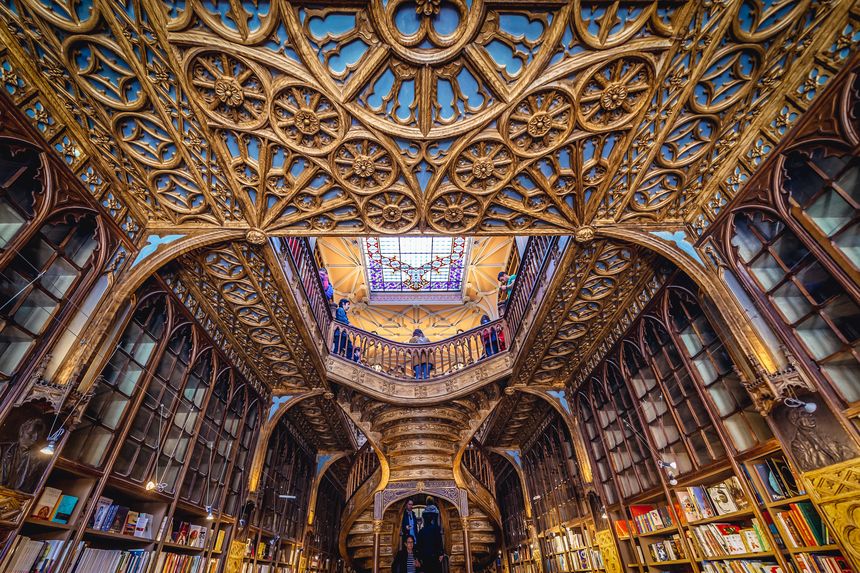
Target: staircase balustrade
[478, 464]
[531, 269]
[366, 462]
[297, 251]
[406, 361]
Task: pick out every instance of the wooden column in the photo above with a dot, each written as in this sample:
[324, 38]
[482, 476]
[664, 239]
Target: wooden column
[377, 535]
[467, 546]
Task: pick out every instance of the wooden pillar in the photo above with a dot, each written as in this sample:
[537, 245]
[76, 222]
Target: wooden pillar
[377, 536]
[467, 546]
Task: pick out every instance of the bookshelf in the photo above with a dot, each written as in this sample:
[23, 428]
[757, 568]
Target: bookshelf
[160, 366]
[571, 548]
[791, 515]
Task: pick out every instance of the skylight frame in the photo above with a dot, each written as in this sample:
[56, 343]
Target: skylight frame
[439, 290]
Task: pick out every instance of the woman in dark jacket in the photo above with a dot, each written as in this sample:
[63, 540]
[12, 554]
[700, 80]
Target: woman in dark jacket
[406, 561]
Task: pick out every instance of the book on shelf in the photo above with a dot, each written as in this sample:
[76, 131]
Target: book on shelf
[815, 563]
[92, 560]
[65, 508]
[48, 501]
[219, 540]
[667, 549]
[101, 512]
[647, 518]
[717, 540]
[740, 566]
[196, 536]
[803, 526]
[27, 555]
[118, 517]
[622, 528]
[700, 502]
[177, 562]
[777, 478]
[143, 527]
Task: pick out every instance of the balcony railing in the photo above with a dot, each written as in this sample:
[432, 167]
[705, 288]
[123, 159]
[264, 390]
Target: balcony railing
[534, 261]
[418, 361]
[297, 252]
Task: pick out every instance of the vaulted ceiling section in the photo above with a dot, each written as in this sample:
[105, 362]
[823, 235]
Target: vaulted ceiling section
[387, 117]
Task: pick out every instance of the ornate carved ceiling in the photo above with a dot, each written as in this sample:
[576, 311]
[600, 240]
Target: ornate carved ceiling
[601, 292]
[235, 286]
[460, 116]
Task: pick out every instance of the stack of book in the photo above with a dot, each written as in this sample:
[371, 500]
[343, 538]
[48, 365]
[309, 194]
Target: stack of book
[648, 518]
[666, 550]
[27, 555]
[740, 566]
[55, 506]
[101, 560]
[575, 540]
[803, 525]
[119, 519]
[700, 502]
[176, 563]
[186, 533]
[811, 563]
[579, 560]
[777, 478]
[723, 539]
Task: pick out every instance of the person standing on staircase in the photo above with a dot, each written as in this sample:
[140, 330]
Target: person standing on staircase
[431, 549]
[408, 525]
[406, 561]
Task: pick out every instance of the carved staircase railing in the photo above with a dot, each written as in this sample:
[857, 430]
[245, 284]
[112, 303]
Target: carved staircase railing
[297, 252]
[478, 464]
[406, 361]
[365, 464]
[535, 259]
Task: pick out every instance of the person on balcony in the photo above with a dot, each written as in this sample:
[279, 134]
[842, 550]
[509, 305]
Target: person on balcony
[406, 561]
[490, 337]
[420, 361]
[342, 344]
[328, 288]
[506, 283]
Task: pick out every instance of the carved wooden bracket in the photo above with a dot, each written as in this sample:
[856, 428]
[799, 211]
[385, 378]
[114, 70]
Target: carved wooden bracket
[768, 388]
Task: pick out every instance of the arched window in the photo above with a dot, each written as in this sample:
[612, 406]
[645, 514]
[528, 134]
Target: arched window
[823, 188]
[21, 181]
[595, 444]
[822, 316]
[117, 384]
[700, 438]
[654, 407]
[199, 470]
[137, 453]
[187, 402]
[249, 431]
[37, 280]
[696, 337]
[634, 468]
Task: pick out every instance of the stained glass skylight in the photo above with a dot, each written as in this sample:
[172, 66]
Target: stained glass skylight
[415, 264]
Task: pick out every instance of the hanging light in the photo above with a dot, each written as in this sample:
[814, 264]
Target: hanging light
[808, 407]
[672, 479]
[209, 515]
[603, 513]
[155, 483]
[664, 464]
[54, 435]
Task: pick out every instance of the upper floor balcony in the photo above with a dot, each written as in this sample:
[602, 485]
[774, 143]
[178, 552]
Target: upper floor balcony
[391, 369]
